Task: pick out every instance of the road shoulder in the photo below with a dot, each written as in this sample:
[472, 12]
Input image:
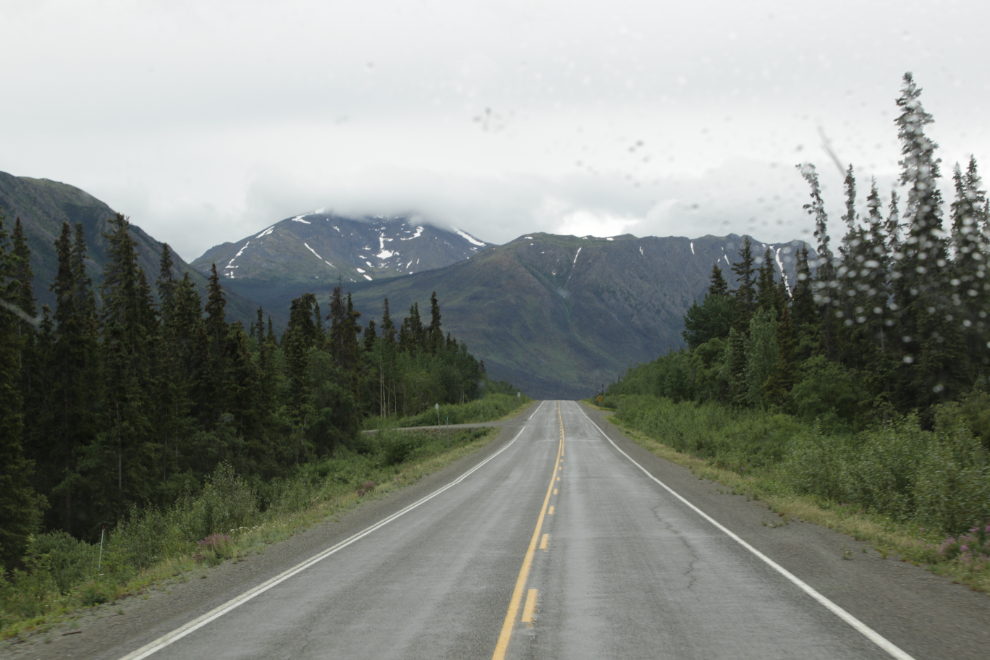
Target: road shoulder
[892, 597]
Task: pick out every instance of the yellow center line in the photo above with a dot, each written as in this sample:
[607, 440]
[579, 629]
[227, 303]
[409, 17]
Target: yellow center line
[554, 491]
[510, 617]
[550, 512]
[529, 607]
[543, 541]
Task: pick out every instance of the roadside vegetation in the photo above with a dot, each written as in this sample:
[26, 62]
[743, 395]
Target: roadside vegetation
[230, 518]
[138, 411]
[860, 389]
[491, 407]
[909, 492]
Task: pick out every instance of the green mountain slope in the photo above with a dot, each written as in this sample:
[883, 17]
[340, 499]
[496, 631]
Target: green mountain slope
[560, 315]
[43, 205]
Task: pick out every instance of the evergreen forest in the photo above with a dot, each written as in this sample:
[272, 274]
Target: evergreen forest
[865, 382]
[132, 396]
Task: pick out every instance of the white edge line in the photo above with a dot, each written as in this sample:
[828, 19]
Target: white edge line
[871, 634]
[196, 624]
[536, 411]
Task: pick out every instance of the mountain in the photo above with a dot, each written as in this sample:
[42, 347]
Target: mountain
[308, 250]
[43, 205]
[561, 315]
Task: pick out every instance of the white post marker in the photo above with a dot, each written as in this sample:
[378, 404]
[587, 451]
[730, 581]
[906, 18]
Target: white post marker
[437, 406]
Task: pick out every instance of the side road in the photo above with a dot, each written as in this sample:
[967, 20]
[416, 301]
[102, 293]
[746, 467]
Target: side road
[924, 614]
[168, 607]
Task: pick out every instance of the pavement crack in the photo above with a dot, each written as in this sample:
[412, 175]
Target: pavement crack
[689, 571]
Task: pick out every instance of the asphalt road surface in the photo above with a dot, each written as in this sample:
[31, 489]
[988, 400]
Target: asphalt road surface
[560, 542]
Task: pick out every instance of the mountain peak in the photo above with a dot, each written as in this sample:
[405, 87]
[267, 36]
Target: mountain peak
[323, 246]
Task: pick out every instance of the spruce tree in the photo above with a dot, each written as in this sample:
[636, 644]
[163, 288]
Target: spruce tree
[23, 276]
[388, 327]
[970, 280]
[803, 297]
[22, 297]
[434, 333]
[824, 284]
[166, 284]
[126, 447]
[745, 294]
[369, 336]
[777, 388]
[932, 342]
[18, 502]
[71, 395]
[767, 291]
[258, 331]
[717, 285]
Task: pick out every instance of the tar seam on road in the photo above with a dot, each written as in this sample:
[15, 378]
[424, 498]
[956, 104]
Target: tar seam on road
[510, 616]
[861, 627]
[237, 601]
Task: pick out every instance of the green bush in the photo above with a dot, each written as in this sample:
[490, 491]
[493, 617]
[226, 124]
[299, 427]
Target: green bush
[70, 560]
[940, 478]
[953, 482]
[489, 408]
[226, 503]
[93, 593]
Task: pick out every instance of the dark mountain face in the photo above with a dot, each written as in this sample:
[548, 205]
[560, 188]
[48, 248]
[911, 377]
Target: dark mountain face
[560, 315]
[309, 250]
[43, 206]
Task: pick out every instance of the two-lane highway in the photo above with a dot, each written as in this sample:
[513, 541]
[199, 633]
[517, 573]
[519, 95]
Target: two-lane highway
[559, 545]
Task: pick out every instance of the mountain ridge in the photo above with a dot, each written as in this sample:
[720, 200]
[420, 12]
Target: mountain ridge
[561, 315]
[43, 205]
[301, 250]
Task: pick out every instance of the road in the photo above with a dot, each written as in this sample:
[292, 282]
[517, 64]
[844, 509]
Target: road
[563, 543]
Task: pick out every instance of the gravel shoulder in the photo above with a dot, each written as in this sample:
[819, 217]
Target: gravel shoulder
[924, 614]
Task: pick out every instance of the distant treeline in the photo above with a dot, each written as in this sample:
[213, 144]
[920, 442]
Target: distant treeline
[113, 401]
[893, 321]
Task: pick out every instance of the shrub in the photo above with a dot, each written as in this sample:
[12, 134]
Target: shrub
[227, 502]
[70, 560]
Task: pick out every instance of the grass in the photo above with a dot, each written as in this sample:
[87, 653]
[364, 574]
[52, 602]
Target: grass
[33, 601]
[768, 481]
[490, 408]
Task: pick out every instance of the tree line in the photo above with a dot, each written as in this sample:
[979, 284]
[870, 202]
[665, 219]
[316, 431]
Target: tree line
[891, 320]
[127, 395]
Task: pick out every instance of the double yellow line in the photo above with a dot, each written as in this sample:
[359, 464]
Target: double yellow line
[510, 617]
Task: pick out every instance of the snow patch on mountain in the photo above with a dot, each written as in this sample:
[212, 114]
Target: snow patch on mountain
[469, 238]
[314, 252]
[266, 232]
[780, 265]
[576, 256]
[419, 232]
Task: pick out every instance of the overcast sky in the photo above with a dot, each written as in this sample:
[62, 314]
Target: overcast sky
[205, 121]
